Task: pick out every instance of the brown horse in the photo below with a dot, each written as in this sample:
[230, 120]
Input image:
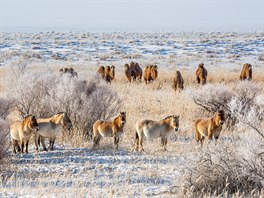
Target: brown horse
[50, 128]
[154, 129]
[201, 74]
[246, 73]
[178, 81]
[109, 129]
[21, 132]
[209, 127]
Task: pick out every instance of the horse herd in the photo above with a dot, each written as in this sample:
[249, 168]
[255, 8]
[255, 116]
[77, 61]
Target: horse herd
[42, 128]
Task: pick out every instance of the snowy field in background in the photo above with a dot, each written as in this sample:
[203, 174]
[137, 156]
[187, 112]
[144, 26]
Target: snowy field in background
[166, 49]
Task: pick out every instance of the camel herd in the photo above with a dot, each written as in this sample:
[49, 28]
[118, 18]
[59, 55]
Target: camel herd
[134, 72]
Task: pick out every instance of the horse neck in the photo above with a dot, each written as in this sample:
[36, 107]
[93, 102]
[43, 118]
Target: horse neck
[56, 121]
[115, 121]
[214, 120]
[165, 122]
[26, 126]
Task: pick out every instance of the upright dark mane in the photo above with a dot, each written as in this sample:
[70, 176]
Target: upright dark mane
[168, 117]
[60, 113]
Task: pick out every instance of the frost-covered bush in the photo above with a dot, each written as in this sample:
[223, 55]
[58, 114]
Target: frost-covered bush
[228, 170]
[5, 107]
[47, 94]
[4, 141]
[242, 104]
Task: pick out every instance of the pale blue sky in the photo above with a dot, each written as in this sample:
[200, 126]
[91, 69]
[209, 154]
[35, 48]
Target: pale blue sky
[128, 15]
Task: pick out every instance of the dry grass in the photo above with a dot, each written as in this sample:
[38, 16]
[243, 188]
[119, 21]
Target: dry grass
[154, 101]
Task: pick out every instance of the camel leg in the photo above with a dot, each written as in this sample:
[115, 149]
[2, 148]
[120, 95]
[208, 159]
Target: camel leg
[198, 79]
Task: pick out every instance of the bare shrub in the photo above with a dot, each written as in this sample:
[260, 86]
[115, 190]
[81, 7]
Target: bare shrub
[4, 143]
[5, 107]
[84, 100]
[227, 170]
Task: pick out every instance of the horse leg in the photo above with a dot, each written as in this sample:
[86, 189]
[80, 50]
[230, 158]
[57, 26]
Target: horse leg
[197, 135]
[165, 144]
[116, 140]
[136, 142]
[42, 140]
[14, 142]
[18, 147]
[22, 146]
[216, 138]
[141, 143]
[27, 146]
[96, 140]
[37, 142]
[202, 141]
[52, 143]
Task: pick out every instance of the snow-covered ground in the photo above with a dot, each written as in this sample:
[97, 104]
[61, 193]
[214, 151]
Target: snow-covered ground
[83, 171]
[110, 47]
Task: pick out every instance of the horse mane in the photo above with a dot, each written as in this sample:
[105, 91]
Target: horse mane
[27, 116]
[60, 112]
[167, 117]
[221, 112]
[121, 113]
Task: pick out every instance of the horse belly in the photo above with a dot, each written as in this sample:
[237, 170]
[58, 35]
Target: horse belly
[106, 133]
[46, 130]
[152, 133]
[202, 130]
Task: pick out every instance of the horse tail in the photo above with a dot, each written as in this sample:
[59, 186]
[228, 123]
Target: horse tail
[197, 133]
[136, 137]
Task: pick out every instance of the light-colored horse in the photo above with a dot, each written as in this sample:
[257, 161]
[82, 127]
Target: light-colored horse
[209, 127]
[50, 128]
[156, 129]
[21, 132]
[109, 129]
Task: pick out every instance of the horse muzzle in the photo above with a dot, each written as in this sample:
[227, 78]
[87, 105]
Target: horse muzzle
[123, 124]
